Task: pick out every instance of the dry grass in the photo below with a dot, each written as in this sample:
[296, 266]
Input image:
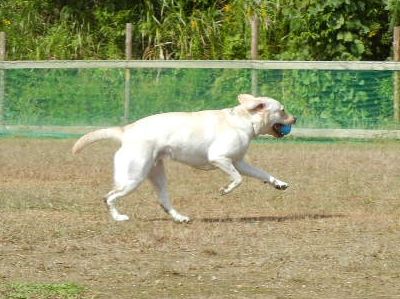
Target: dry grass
[333, 234]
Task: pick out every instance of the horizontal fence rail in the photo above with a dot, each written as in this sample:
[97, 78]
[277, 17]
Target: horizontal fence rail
[206, 64]
[56, 131]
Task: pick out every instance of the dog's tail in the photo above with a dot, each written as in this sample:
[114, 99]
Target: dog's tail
[91, 137]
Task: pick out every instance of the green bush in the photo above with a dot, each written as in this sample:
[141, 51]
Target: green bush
[199, 29]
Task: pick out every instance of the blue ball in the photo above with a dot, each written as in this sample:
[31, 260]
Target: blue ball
[285, 129]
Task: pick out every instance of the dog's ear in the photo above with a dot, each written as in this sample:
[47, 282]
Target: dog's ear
[245, 97]
[251, 103]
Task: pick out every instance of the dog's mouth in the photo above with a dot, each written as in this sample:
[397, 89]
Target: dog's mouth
[277, 130]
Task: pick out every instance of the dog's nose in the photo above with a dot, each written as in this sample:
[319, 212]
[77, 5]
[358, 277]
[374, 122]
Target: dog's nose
[294, 119]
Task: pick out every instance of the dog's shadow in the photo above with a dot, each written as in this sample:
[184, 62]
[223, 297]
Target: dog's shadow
[256, 219]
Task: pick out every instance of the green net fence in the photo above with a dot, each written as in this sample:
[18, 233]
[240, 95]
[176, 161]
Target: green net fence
[329, 99]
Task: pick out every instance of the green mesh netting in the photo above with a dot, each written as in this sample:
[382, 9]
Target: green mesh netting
[95, 97]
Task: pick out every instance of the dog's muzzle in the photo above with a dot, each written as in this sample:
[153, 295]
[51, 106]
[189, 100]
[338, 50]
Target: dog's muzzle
[278, 126]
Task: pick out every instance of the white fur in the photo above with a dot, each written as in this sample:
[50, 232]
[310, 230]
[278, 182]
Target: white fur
[204, 139]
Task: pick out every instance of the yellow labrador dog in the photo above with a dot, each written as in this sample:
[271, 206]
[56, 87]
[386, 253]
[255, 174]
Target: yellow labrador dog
[204, 139]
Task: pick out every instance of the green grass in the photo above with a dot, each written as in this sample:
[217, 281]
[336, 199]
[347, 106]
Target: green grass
[42, 291]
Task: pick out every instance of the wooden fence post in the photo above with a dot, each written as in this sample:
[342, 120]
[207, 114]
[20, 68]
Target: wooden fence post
[2, 80]
[2, 46]
[396, 83]
[255, 32]
[128, 56]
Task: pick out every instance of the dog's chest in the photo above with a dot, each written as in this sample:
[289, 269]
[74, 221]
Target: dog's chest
[198, 154]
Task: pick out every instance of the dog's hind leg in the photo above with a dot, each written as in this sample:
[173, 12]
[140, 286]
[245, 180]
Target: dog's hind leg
[117, 193]
[128, 175]
[159, 181]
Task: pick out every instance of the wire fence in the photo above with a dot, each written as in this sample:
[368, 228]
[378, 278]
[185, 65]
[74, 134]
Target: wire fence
[58, 97]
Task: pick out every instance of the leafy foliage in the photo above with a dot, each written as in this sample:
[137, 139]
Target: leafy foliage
[199, 29]
[328, 30]
[393, 6]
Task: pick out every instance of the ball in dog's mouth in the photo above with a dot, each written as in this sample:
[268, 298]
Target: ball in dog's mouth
[281, 129]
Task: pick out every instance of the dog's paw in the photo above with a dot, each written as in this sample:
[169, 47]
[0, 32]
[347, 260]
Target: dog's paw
[223, 191]
[120, 217]
[182, 219]
[178, 217]
[280, 185]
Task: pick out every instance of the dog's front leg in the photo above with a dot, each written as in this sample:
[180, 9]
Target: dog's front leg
[251, 171]
[225, 164]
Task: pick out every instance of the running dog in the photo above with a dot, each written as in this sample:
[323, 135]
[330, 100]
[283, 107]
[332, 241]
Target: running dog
[206, 139]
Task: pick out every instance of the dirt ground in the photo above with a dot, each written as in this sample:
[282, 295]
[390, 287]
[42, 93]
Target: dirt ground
[333, 234]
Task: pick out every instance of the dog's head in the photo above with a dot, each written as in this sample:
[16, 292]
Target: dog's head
[266, 114]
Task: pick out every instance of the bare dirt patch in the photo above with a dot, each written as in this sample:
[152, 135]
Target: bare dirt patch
[333, 234]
